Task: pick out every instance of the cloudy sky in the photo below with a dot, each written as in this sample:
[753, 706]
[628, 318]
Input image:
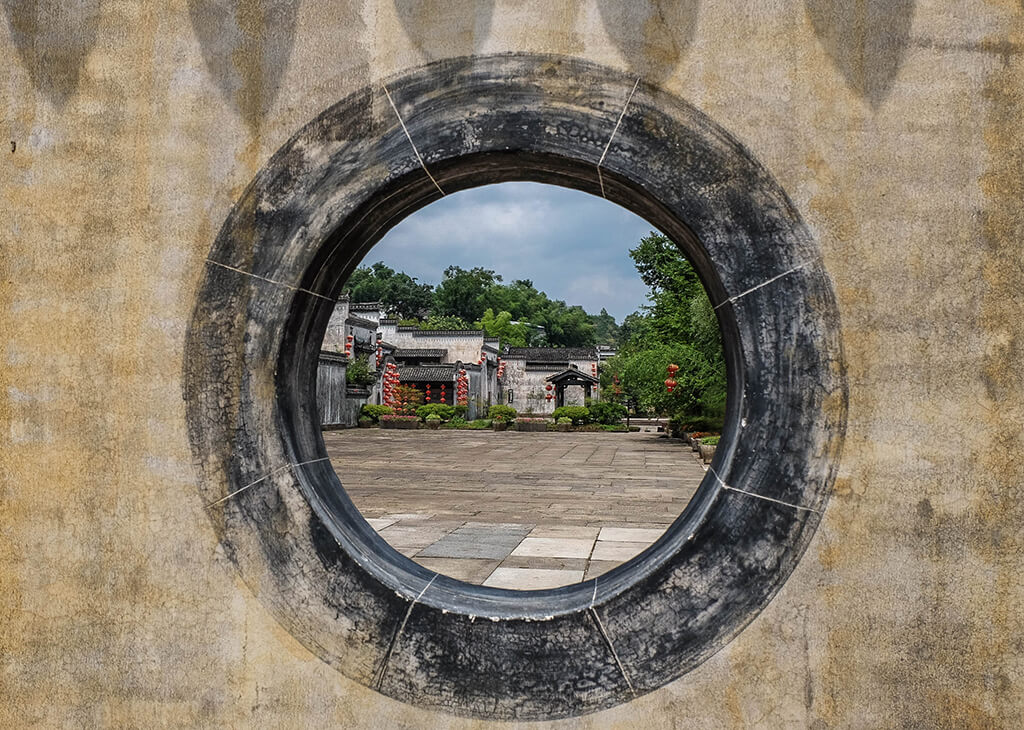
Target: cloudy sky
[572, 245]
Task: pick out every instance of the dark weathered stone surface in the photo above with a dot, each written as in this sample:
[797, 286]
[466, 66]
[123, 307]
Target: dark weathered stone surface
[307, 219]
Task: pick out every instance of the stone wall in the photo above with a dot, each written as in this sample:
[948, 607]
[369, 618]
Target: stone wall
[461, 346]
[133, 128]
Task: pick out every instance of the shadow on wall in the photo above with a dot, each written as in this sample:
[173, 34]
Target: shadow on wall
[453, 28]
[246, 46]
[53, 38]
[652, 35]
[866, 40]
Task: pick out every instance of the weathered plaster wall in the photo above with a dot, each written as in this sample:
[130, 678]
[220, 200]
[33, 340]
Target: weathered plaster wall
[896, 128]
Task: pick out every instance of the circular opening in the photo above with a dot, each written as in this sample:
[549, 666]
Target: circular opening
[270, 284]
[300, 356]
[509, 510]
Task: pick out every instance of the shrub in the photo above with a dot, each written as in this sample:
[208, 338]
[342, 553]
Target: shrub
[407, 399]
[607, 412]
[441, 410]
[456, 422]
[577, 414]
[689, 424]
[433, 418]
[358, 373]
[564, 421]
[461, 411]
[479, 424]
[502, 412]
[365, 421]
[374, 412]
[710, 440]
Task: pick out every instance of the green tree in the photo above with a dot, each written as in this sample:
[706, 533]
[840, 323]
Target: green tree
[446, 322]
[500, 325]
[679, 326]
[400, 293]
[461, 292]
[606, 331]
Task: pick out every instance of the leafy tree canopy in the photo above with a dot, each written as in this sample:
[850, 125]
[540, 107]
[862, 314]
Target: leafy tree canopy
[401, 294]
[678, 326]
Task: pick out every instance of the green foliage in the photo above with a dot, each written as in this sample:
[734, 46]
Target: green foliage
[445, 322]
[374, 412]
[441, 410]
[455, 422]
[577, 414]
[606, 332]
[461, 411]
[564, 421]
[365, 421]
[433, 418]
[500, 325]
[400, 293]
[479, 424]
[710, 440]
[520, 315]
[502, 412]
[357, 372]
[606, 412]
[692, 424]
[461, 292]
[407, 400]
[678, 327]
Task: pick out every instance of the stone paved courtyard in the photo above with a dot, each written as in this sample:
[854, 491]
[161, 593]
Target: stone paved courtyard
[516, 510]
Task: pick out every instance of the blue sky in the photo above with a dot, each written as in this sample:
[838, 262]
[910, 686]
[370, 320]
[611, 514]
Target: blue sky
[572, 245]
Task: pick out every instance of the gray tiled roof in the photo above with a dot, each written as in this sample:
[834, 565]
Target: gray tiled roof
[550, 354]
[426, 353]
[368, 324]
[427, 373]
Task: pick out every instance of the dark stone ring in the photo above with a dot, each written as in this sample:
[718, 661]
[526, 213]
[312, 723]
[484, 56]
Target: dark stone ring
[279, 509]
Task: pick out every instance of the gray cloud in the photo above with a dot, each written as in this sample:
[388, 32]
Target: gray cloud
[572, 245]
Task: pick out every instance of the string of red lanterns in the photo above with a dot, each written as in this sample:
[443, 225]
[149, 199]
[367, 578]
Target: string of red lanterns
[390, 381]
[670, 382]
[462, 388]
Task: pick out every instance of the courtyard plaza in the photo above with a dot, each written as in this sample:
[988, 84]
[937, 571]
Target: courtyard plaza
[524, 511]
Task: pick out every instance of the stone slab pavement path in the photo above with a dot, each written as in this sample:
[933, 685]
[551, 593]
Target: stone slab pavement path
[516, 510]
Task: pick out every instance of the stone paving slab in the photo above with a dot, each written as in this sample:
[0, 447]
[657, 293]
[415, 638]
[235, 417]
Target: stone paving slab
[620, 551]
[520, 510]
[629, 534]
[532, 579]
[554, 547]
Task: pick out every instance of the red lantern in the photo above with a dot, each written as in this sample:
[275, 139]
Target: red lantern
[548, 386]
[672, 370]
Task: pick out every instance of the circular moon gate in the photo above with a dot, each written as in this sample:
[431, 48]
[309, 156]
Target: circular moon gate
[279, 509]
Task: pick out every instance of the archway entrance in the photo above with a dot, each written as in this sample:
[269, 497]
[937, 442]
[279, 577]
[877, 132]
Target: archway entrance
[572, 377]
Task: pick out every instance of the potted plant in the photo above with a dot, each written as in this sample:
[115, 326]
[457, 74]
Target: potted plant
[498, 423]
[531, 424]
[399, 421]
[433, 421]
[365, 422]
[564, 424]
[707, 447]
